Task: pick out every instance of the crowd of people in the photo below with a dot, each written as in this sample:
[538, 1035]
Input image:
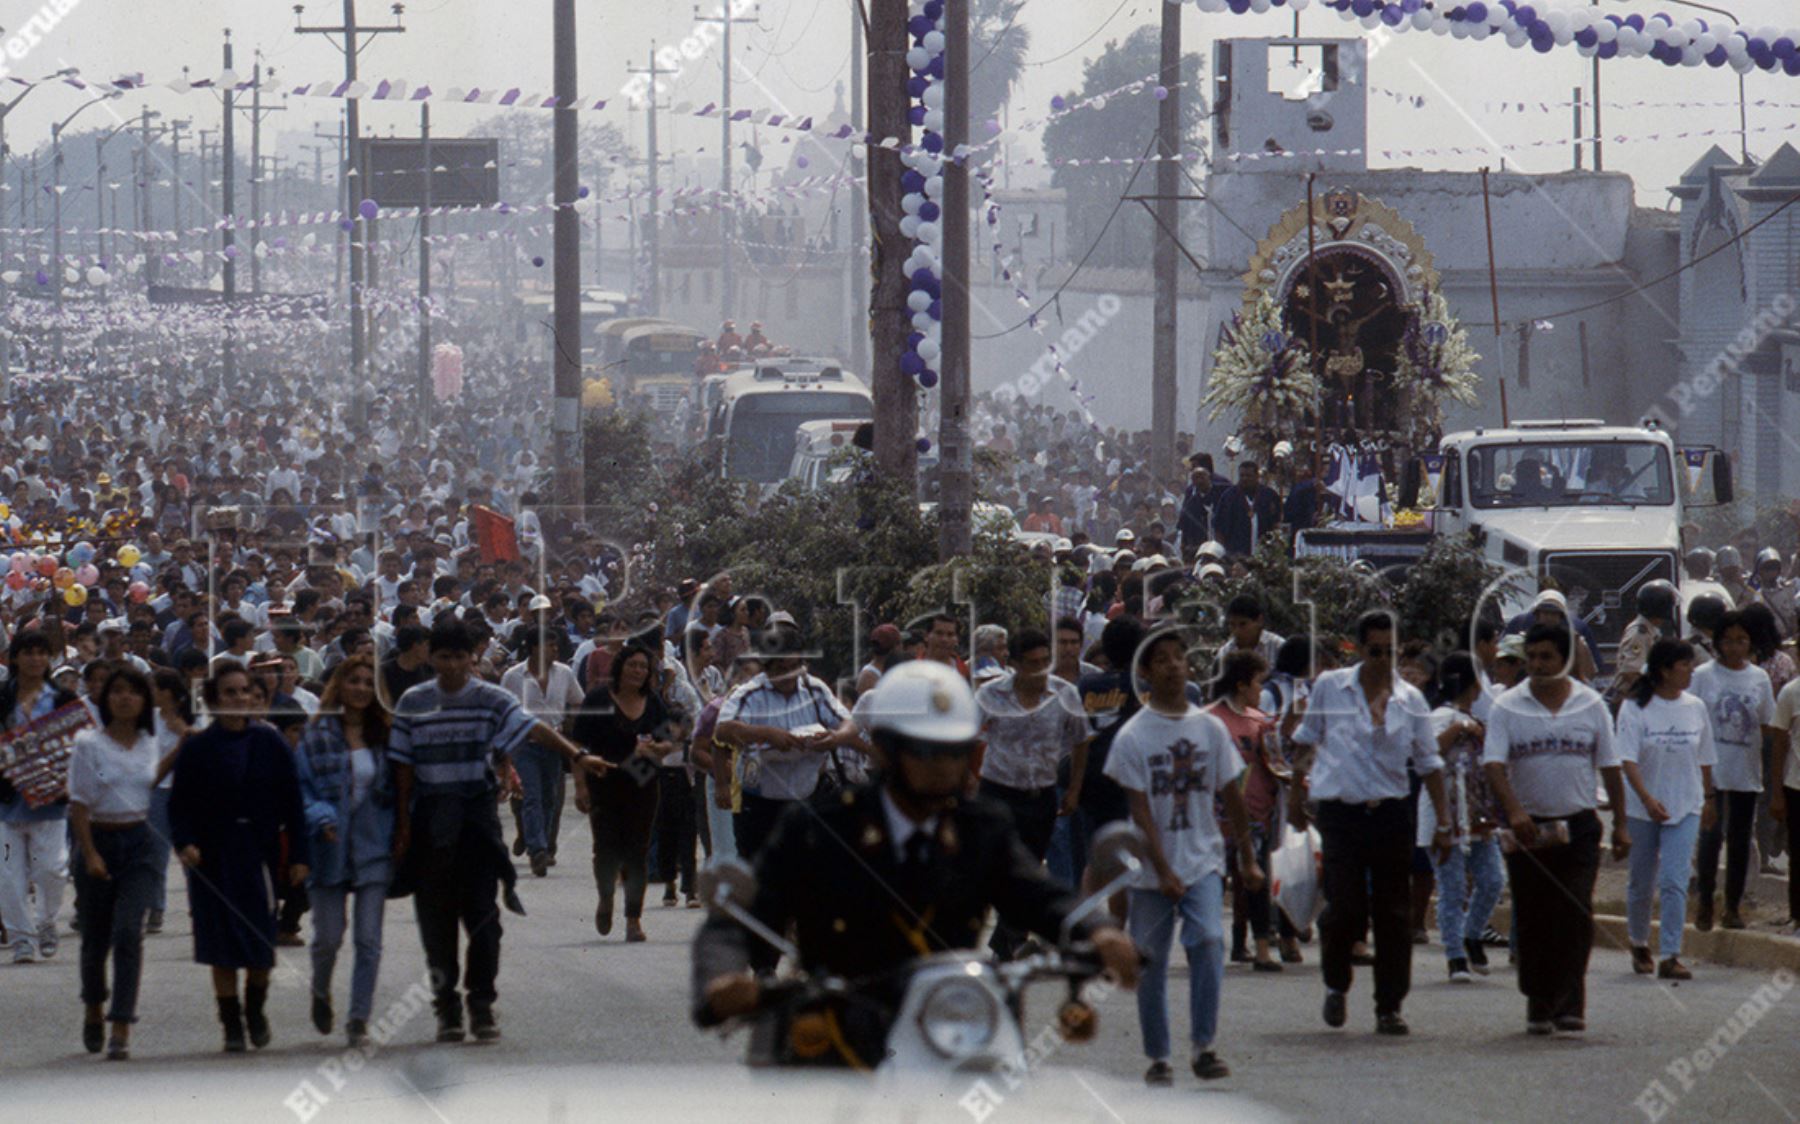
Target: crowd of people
[297, 658]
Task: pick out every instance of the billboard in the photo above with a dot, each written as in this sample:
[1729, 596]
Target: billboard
[466, 171]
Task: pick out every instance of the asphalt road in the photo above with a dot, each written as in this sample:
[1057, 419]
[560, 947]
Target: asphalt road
[597, 1029]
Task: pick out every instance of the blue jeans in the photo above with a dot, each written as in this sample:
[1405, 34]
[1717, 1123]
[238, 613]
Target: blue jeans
[1463, 910]
[1067, 857]
[541, 775]
[162, 847]
[329, 905]
[1661, 855]
[1152, 924]
[112, 917]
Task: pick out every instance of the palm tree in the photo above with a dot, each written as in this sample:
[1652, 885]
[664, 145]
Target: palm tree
[998, 44]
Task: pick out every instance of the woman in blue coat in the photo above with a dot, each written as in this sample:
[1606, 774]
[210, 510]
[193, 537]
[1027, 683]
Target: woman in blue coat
[350, 820]
[234, 796]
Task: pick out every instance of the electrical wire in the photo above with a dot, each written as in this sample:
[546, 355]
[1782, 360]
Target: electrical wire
[1652, 283]
[1084, 42]
[1076, 272]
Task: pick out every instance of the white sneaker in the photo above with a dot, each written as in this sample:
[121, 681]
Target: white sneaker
[47, 940]
[23, 952]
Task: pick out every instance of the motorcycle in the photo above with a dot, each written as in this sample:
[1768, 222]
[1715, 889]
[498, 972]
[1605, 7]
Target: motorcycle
[956, 1011]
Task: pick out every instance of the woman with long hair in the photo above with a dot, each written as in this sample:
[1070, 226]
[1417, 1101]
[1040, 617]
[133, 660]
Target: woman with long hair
[1236, 692]
[112, 775]
[621, 720]
[343, 777]
[1665, 744]
[235, 794]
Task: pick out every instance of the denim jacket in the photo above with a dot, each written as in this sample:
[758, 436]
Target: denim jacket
[365, 834]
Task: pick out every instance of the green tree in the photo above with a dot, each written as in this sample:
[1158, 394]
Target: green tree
[1122, 128]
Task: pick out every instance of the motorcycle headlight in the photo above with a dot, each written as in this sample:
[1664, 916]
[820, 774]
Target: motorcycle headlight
[958, 1018]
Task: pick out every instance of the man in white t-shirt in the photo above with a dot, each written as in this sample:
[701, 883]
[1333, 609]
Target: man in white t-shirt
[1546, 740]
[1172, 759]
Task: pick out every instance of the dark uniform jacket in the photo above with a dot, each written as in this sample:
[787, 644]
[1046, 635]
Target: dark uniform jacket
[831, 872]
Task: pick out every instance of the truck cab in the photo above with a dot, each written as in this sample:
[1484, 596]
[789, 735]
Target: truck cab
[1599, 508]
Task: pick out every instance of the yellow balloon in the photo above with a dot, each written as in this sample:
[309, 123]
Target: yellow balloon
[75, 595]
[129, 555]
[5, 511]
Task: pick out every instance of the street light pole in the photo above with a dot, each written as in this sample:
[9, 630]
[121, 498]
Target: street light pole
[1743, 103]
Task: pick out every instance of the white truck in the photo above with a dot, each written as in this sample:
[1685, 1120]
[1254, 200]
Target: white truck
[1599, 508]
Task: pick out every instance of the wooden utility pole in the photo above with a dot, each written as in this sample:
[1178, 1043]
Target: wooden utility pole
[896, 395]
[856, 261]
[352, 35]
[956, 457]
[565, 421]
[1165, 366]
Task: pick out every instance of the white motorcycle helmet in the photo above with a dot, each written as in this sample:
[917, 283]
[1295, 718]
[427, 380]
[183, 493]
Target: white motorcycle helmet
[924, 707]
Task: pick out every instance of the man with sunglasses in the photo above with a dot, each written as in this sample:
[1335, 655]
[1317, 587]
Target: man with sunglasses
[1364, 723]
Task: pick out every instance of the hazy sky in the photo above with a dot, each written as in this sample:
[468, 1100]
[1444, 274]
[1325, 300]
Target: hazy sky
[800, 48]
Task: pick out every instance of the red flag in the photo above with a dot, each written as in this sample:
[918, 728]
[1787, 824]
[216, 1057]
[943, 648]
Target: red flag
[494, 535]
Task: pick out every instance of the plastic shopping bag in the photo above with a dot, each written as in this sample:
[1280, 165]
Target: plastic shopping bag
[1294, 873]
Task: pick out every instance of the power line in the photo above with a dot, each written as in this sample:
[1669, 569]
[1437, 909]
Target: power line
[1076, 272]
[1651, 284]
[1084, 42]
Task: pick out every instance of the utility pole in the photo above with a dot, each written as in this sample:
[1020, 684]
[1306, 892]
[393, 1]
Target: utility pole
[1164, 361]
[599, 230]
[956, 458]
[896, 396]
[424, 386]
[175, 130]
[230, 208]
[206, 151]
[652, 231]
[856, 260]
[343, 194]
[257, 113]
[728, 217]
[567, 469]
[353, 35]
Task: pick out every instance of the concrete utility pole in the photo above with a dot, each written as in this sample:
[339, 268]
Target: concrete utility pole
[856, 260]
[353, 35]
[652, 232]
[343, 193]
[257, 112]
[1165, 368]
[424, 383]
[896, 395]
[153, 260]
[567, 468]
[230, 209]
[956, 457]
[728, 216]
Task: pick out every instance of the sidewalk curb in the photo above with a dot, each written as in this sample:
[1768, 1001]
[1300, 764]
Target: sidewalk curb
[1730, 948]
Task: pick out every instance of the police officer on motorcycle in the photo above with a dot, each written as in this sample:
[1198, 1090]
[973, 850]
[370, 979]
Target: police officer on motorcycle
[875, 877]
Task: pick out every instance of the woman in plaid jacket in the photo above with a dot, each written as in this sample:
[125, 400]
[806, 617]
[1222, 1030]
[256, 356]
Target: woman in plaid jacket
[350, 816]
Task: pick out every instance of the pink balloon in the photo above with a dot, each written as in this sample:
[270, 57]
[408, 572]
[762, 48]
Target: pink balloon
[20, 562]
[88, 575]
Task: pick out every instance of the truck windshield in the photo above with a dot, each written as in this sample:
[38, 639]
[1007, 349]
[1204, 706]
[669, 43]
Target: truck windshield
[760, 444]
[1565, 473]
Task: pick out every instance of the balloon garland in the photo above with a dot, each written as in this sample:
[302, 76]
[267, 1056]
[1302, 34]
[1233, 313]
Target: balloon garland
[922, 202]
[1672, 42]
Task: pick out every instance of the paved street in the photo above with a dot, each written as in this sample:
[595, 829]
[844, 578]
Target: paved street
[591, 1026]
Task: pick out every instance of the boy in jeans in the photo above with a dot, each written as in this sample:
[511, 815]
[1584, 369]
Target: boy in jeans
[1172, 759]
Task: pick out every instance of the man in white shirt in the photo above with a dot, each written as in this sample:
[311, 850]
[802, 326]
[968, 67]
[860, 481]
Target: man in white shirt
[1365, 723]
[1546, 740]
[547, 689]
